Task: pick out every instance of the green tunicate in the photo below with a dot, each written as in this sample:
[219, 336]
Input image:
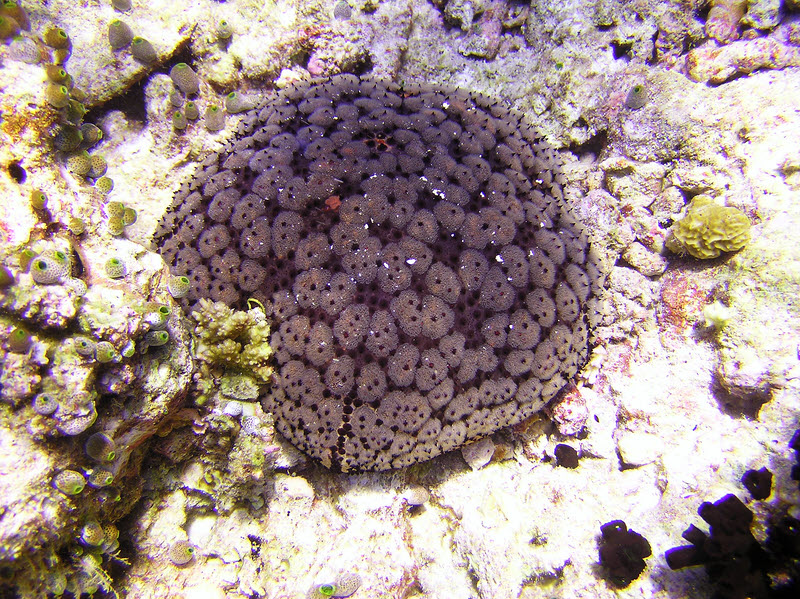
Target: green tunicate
[191, 111]
[77, 93]
[178, 286]
[56, 37]
[57, 95]
[115, 226]
[637, 97]
[709, 229]
[45, 404]
[84, 345]
[215, 118]
[109, 495]
[15, 11]
[19, 341]
[235, 103]
[47, 270]
[99, 166]
[69, 482]
[326, 590]
[346, 584]
[156, 338]
[119, 34]
[6, 277]
[78, 286]
[61, 55]
[179, 122]
[224, 30]
[91, 134]
[185, 79]
[24, 49]
[56, 74]
[181, 553]
[128, 216]
[157, 316]
[8, 27]
[92, 534]
[75, 111]
[342, 10]
[76, 225]
[78, 423]
[115, 268]
[115, 209]
[38, 200]
[128, 349]
[143, 51]
[25, 258]
[67, 138]
[104, 184]
[176, 99]
[100, 478]
[80, 163]
[104, 352]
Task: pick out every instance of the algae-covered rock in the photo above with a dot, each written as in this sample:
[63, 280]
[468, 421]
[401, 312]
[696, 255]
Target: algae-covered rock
[709, 229]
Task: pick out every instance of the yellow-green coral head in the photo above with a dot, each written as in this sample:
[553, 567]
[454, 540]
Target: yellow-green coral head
[6, 277]
[104, 184]
[709, 229]
[191, 111]
[179, 122]
[637, 97]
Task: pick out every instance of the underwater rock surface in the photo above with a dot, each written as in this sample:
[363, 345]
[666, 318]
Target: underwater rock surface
[427, 283]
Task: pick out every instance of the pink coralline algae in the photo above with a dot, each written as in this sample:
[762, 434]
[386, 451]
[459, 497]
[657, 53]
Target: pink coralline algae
[715, 63]
[723, 19]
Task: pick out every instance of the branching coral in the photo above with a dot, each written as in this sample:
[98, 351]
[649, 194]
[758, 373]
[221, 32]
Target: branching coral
[232, 339]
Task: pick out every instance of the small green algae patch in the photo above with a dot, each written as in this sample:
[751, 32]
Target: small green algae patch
[709, 229]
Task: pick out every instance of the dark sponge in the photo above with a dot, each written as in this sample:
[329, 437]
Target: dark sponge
[414, 249]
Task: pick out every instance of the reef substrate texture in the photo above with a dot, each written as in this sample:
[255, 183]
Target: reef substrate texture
[413, 246]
